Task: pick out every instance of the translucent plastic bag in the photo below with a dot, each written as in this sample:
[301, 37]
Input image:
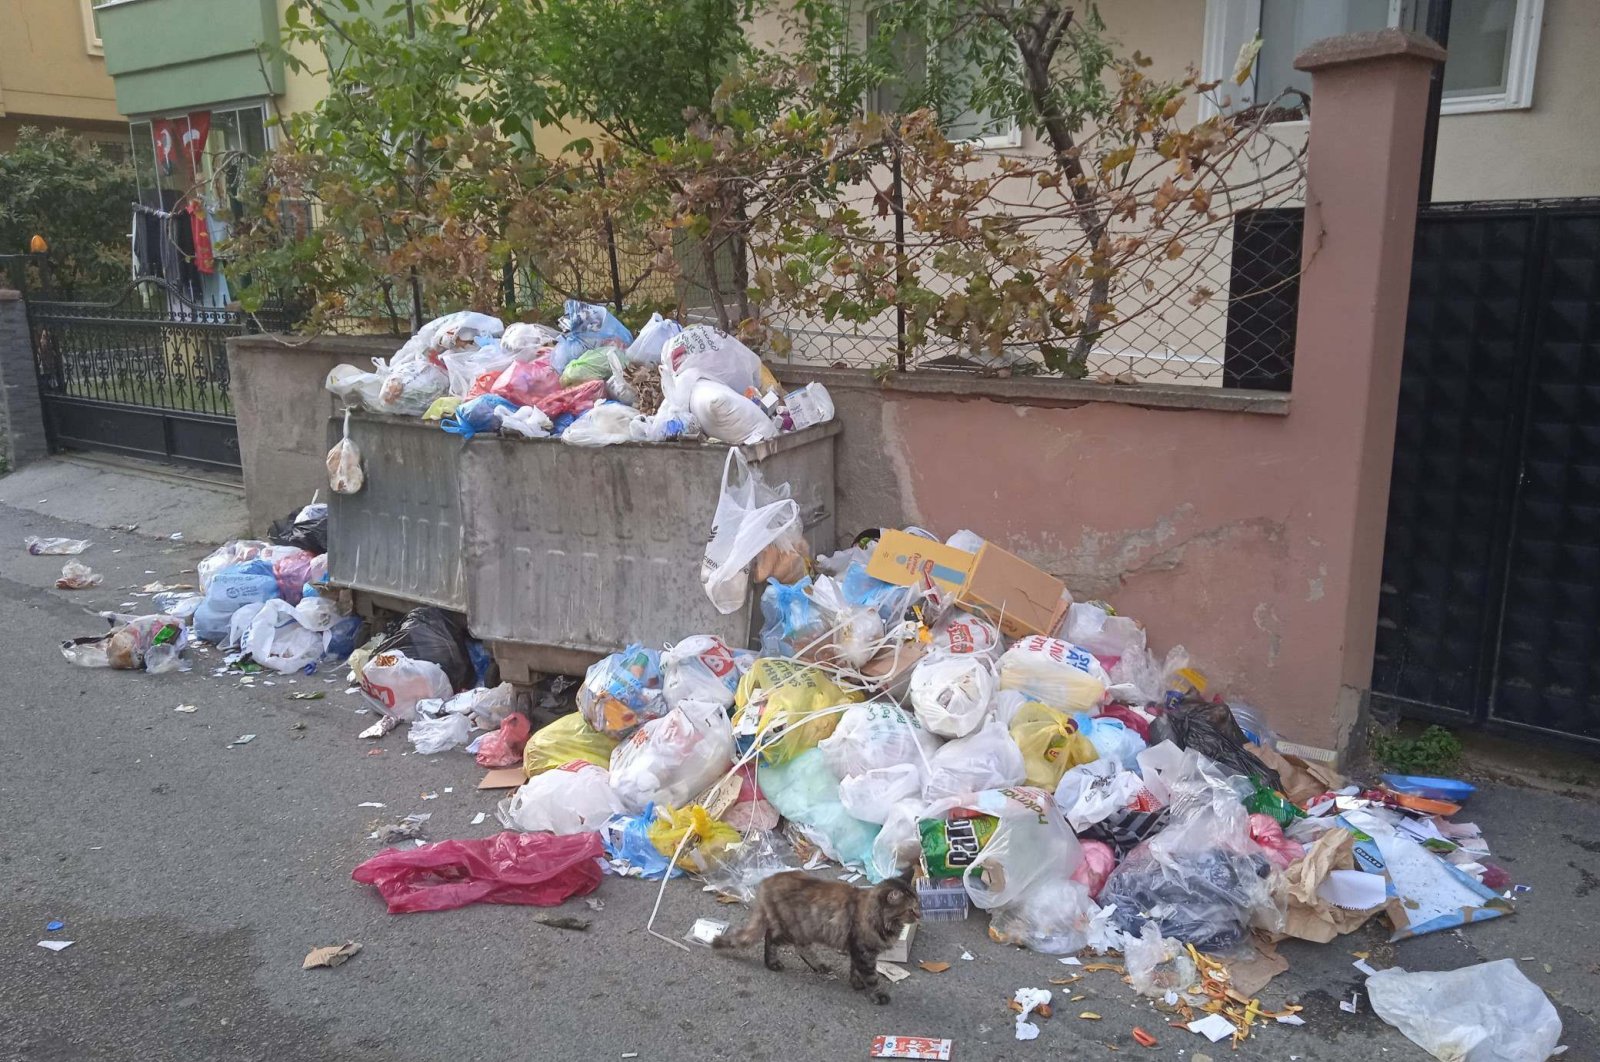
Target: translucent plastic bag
[1093, 792]
[524, 341]
[393, 683]
[587, 325]
[606, 424]
[806, 407]
[1157, 965]
[431, 734]
[1051, 744]
[1107, 636]
[876, 735]
[408, 390]
[872, 795]
[806, 793]
[225, 556]
[525, 422]
[590, 365]
[344, 464]
[478, 416]
[986, 759]
[520, 868]
[622, 691]
[1485, 1013]
[701, 352]
[784, 706]
[292, 571]
[154, 643]
[280, 641]
[1113, 739]
[459, 331]
[463, 368]
[950, 693]
[699, 668]
[727, 416]
[750, 517]
[354, 387]
[568, 738]
[503, 747]
[1051, 917]
[961, 632]
[525, 382]
[574, 798]
[573, 400]
[646, 346]
[1030, 842]
[1055, 673]
[672, 759]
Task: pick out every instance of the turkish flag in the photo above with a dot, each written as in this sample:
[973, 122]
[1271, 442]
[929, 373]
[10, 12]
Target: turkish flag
[166, 133]
[194, 138]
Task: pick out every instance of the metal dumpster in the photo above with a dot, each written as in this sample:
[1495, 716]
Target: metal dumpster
[574, 552]
[398, 541]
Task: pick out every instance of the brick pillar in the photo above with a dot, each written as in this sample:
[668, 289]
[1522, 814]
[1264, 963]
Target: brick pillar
[1369, 96]
[21, 414]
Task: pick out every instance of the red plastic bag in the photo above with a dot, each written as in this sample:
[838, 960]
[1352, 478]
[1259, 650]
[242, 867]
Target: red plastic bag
[1282, 852]
[1098, 863]
[574, 400]
[292, 571]
[503, 748]
[541, 869]
[1128, 717]
[523, 382]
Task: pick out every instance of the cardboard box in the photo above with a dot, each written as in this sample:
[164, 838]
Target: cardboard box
[1013, 594]
[905, 559]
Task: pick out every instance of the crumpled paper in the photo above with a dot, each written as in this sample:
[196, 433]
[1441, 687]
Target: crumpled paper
[332, 955]
[1310, 917]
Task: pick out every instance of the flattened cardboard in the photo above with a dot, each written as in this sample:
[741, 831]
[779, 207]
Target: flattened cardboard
[1012, 593]
[503, 778]
[904, 559]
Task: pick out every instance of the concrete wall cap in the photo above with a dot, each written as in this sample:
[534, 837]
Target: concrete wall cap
[10, 295]
[1368, 46]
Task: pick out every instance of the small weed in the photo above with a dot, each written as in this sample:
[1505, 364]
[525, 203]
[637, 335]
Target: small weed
[1434, 751]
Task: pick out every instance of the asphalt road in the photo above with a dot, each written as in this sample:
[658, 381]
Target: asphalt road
[194, 878]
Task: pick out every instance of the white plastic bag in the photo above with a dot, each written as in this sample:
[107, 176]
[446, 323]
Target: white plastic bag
[239, 625]
[573, 798]
[393, 683]
[1093, 792]
[951, 692]
[458, 331]
[875, 735]
[750, 517]
[986, 759]
[1057, 674]
[1032, 840]
[603, 425]
[1157, 965]
[727, 416]
[699, 668]
[966, 541]
[1485, 1013]
[431, 734]
[410, 389]
[1106, 636]
[344, 464]
[872, 795]
[961, 633]
[809, 406]
[528, 422]
[670, 760]
[463, 367]
[523, 341]
[277, 639]
[353, 386]
[1052, 917]
[701, 352]
[646, 346]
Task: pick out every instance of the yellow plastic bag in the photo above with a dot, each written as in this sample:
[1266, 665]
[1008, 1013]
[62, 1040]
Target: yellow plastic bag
[568, 738]
[709, 836]
[780, 696]
[1051, 744]
[442, 407]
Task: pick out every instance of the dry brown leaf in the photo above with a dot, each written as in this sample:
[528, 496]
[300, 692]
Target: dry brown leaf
[934, 967]
[1089, 1015]
[333, 955]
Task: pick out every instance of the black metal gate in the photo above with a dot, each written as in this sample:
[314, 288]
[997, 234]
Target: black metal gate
[145, 375]
[1490, 605]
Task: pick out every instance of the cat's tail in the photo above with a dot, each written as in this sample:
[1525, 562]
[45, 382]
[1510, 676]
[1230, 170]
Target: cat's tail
[744, 936]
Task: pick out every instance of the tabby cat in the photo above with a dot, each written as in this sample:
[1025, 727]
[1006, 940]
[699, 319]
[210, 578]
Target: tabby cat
[796, 908]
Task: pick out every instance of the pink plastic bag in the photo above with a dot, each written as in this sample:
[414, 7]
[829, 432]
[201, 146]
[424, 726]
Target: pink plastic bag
[1098, 863]
[503, 748]
[541, 869]
[523, 382]
[1282, 852]
[292, 571]
[574, 400]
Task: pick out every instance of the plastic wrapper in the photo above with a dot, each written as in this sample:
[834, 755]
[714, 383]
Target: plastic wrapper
[587, 325]
[1157, 965]
[782, 705]
[646, 346]
[951, 693]
[986, 759]
[431, 734]
[504, 746]
[152, 643]
[568, 738]
[574, 798]
[393, 683]
[537, 869]
[1052, 917]
[1134, 720]
[806, 793]
[76, 576]
[344, 464]
[1098, 863]
[672, 759]
[524, 383]
[740, 868]
[478, 415]
[1054, 673]
[728, 416]
[1030, 843]
[1051, 743]
[623, 690]
[872, 795]
[605, 424]
[876, 735]
[1490, 1012]
[699, 668]
[750, 517]
[1209, 728]
[179, 603]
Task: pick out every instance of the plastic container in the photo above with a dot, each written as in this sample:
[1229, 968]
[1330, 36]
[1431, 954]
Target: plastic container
[943, 899]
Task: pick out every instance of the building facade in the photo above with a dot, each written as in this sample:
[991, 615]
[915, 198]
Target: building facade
[53, 72]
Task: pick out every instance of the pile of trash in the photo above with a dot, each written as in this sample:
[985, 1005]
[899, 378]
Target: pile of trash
[593, 383]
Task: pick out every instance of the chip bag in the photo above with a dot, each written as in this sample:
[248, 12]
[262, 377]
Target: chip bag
[568, 738]
[949, 846]
[1051, 744]
[784, 697]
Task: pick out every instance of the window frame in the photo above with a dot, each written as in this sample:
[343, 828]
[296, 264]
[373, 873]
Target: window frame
[1009, 137]
[1230, 23]
[92, 42]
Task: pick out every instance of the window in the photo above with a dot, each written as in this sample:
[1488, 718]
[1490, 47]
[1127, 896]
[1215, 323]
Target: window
[1493, 45]
[956, 76]
[91, 28]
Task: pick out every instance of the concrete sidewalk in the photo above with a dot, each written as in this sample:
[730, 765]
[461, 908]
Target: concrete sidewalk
[106, 492]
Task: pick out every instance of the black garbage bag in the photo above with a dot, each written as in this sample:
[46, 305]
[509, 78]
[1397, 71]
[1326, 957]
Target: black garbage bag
[305, 529]
[430, 633]
[1209, 728]
[1204, 898]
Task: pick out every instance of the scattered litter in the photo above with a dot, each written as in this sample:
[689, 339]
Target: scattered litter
[967, 955]
[1071, 961]
[384, 725]
[56, 547]
[503, 778]
[1089, 1015]
[477, 820]
[1025, 1002]
[892, 972]
[56, 945]
[176, 536]
[407, 829]
[449, 789]
[123, 527]
[1364, 967]
[1289, 1019]
[242, 739]
[1142, 1038]
[315, 695]
[917, 1047]
[705, 930]
[1213, 1027]
[187, 709]
[332, 955]
[371, 804]
[53, 925]
[76, 576]
[934, 967]
[577, 925]
[430, 796]
[1486, 1012]
[1351, 1005]
[594, 904]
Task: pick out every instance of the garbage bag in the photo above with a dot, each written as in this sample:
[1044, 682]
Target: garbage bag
[523, 383]
[504, 747]
[750, 517]
[305, 528]
[1209, 728]
[629, 850]
[574, 798]
[537, 869]
[231, 588]
[701, 352]
[985, 759]
[1031, 842]
[1055, 673]
[526, 422]
[478, 415]
[153, 643]
[875, 735]
[1157, 965]
[226, 556]
[951, 693]
[354, 387]
[806, 407]
[1051, 744]
[791, 622]
[783, 706]
[699, 668]
[592, 364]
[464, 368]
[604, 424]
[850, 633]
[572, 401]
[961, 632]
[344, 464]
[727, 416]
[697, 837]
[1111, 738]
[430, 734]
[1490, 1012]
[1104, 633]
[430, 633]
[393, 683]
[280, 640]
[1051, 917]
[1098, 862]
[807, 794]
[410, 388]
[524, 341]
[672, 759]
[292, 570]
[568, 738]
[587, 325]
[740, 868]
[872, 795]
[622, 691]
[646, 346]
[461, 330]
[1093, 792]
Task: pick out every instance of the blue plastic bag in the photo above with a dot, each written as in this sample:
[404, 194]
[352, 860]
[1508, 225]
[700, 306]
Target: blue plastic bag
[889, 600]
[1112, 739]
[790, 620]
[477, 415]
[586, 326]
[341, 638]
[235, 586]
[627, 843]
